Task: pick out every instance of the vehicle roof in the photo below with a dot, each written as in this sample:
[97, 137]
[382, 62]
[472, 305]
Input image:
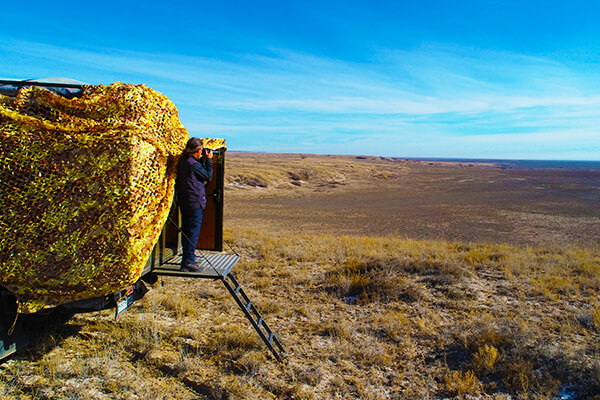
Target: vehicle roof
[64, 86]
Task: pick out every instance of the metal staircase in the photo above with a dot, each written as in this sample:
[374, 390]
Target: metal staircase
[217, 266]
[253, 315]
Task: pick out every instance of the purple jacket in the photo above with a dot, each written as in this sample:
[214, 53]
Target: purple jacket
[192, 175]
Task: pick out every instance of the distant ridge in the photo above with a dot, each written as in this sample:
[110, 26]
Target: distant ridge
[579, 165]
[521, 164]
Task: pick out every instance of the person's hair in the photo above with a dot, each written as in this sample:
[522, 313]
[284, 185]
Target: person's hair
[192, 146]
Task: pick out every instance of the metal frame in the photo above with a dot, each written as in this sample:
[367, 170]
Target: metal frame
[42, 84]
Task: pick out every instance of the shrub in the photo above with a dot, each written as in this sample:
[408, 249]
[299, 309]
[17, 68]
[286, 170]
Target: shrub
[461, 383]
[485, 358]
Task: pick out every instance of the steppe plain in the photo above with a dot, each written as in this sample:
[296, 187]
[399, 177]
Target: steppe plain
[385, 279]
[377, 196]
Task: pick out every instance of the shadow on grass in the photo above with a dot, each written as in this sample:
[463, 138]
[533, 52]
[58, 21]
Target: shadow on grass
[37, 335]
[522, 371]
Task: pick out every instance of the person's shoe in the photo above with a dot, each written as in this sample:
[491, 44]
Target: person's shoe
[195, 267]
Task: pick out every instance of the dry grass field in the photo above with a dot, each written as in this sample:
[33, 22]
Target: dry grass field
[372, 196]
[385, 279]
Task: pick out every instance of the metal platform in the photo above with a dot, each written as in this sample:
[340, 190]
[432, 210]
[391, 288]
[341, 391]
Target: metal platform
[215, 265]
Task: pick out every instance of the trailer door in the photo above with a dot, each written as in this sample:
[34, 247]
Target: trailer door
[211, 232]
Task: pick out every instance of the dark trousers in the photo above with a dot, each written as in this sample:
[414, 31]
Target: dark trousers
[190, 229]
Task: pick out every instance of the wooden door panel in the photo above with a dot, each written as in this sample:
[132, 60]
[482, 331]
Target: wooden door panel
[211, 232]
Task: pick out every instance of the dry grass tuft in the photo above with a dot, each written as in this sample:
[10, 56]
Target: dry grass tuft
[595, 311]
[371, 281]
[393, 324]
[485, 359]
[462, 382]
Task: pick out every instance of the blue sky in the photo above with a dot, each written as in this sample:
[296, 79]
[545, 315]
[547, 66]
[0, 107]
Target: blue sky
[475, 79]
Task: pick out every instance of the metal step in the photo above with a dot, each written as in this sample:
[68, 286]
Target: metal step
[215, 265]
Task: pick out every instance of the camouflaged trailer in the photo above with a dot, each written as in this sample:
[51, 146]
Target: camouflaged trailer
[86, 192]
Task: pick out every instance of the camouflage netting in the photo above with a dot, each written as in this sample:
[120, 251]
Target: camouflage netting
[85, 188]
[213, 143]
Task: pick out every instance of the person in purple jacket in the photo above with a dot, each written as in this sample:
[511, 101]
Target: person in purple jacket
[194, 171]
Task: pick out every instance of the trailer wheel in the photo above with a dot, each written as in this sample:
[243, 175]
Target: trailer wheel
[150, 278]
[8, 309]
[8, 312]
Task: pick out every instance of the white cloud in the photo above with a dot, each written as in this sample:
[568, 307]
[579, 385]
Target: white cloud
[440, 93]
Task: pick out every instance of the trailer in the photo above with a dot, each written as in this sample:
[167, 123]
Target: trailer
[18, 331]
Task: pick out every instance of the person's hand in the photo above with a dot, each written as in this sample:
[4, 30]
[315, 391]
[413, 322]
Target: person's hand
[209, 153]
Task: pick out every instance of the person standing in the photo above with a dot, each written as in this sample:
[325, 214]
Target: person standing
[194, 171]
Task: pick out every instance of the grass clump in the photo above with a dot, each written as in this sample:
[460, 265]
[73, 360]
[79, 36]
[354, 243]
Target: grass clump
[521, 377]
[370, 281]
[596, 316]
[485, 359]
[392, 324]
[461, 383]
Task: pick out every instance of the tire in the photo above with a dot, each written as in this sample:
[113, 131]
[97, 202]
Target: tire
[8, 311]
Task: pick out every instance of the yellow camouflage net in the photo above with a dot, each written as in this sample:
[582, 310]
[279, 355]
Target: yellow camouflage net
[214, 144]
[85, 187]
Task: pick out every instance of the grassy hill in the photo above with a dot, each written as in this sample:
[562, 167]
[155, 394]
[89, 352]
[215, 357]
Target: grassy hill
[363, 314]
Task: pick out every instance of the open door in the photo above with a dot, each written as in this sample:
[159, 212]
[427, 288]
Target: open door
[211, 232]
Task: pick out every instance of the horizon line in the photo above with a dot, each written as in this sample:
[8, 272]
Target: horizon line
[425, 158]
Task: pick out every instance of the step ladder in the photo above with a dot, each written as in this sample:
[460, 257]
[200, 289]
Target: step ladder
[253, 315]
[217, 266]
